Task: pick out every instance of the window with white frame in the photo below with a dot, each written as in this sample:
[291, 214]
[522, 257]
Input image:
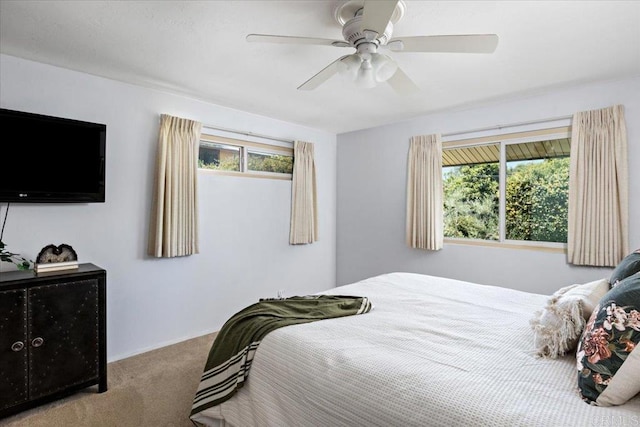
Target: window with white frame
[507, 188]
[237, 157]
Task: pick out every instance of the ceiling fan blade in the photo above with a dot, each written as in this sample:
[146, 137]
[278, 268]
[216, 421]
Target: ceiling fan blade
[402, 84]
[376, 15]
[268, 38]
[464, 43]
[325, 74]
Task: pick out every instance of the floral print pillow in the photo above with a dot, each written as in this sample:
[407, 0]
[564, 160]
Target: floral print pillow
[609, 341]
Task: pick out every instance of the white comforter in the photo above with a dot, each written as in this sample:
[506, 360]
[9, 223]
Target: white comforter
[432, 352]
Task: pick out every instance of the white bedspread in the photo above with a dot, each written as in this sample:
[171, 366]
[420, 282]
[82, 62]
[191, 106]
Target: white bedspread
[432, 352]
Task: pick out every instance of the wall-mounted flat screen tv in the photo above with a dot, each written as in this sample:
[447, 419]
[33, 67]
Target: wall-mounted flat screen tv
[47, 159]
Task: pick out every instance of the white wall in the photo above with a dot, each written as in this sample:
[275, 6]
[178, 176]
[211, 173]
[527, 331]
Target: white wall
[372, 185]
[244, 250]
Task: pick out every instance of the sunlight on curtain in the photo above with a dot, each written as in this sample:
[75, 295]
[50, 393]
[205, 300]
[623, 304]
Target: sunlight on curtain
[304, 205]
[598, 188]
[173, 230]
[424, 193]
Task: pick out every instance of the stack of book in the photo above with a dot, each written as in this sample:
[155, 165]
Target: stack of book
[55, 266]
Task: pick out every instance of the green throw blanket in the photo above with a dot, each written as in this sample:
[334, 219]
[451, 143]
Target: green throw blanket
[235, 345]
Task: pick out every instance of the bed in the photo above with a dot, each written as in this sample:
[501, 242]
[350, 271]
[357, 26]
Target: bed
[432, 352]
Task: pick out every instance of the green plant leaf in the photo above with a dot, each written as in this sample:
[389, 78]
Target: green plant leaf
[19, 261]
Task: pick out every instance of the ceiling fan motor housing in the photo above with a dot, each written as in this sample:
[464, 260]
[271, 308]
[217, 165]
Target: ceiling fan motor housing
[353, 33]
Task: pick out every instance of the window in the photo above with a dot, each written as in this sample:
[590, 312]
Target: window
[244, 158]
[269, 162]
[509, 188]
[471, 192]
[219, 157]
[537, 191]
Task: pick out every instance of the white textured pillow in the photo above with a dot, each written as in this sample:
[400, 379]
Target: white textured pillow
[559, 325]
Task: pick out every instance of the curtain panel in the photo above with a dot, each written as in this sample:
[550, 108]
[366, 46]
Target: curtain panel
[598, 188]
[424, 193]
[174, 217]
[304, 200]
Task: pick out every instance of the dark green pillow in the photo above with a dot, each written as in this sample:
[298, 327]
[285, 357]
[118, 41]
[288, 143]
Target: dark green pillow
[629, 266]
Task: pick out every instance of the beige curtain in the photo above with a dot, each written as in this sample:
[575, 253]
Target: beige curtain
[304, 205]
[174, 216]
[598, 188]
[424, 193]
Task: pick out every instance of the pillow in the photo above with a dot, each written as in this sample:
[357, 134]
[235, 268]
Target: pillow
[629, 266]
[608, 355]
[558, 326]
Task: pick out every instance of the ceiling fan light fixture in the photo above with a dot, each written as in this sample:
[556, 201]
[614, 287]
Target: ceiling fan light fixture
[366, 76]
[348, 66]
[367, 69]
[383, 66]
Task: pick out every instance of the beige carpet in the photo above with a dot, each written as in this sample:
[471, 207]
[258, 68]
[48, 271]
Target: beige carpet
[151, 389]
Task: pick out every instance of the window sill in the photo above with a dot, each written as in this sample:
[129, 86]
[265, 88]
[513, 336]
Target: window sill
[559, 248]
[281, 176]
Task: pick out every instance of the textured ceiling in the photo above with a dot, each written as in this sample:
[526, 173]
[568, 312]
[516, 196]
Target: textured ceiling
[198, 48]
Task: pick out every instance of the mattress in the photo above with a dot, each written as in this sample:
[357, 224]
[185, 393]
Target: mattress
[432, 352]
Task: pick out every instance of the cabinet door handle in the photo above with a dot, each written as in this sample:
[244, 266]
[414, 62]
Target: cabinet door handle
[37, 342]
[17, 346]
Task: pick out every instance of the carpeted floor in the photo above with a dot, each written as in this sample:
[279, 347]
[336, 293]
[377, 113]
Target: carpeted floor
[151, 389]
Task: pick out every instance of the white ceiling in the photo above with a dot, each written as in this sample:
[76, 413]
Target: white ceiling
[198, 48]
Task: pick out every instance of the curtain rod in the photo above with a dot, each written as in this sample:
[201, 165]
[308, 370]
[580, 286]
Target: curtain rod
[273, 138]
[256, 135]
[531, 122]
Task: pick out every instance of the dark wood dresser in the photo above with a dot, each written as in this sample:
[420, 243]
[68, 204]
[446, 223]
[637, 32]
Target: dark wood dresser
[52, 335]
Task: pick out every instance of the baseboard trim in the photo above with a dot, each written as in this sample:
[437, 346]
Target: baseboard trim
[111, 359]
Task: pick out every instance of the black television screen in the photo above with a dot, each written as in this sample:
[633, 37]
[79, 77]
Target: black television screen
[51, 159]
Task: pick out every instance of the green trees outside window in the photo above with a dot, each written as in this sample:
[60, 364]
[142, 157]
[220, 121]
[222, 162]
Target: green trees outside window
[471, 201]
[536, 201]
[264, 162]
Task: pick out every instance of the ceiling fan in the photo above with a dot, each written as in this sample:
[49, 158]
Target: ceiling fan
[367, 26]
